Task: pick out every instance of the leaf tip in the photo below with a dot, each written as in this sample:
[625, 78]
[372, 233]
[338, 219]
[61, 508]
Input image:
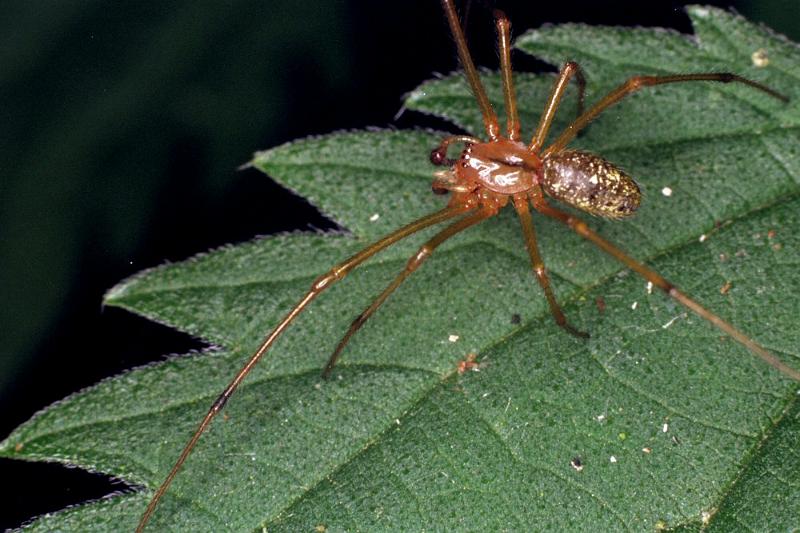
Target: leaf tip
[116, 294]
[699, 11]
[258, 159]
[415, 96]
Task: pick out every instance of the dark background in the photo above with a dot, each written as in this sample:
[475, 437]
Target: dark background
[123, 123]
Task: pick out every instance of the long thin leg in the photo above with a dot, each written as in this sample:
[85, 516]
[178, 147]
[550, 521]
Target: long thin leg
[489, 117]
[637, 82]
[413, 263]
[319, 285]
[521, 204]
[656, 279]
[569, 70]
[504, 47]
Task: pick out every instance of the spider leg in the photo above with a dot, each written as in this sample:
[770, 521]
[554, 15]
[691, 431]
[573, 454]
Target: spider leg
[413, 263]
[637, 82]
[504, 48]
[489, 117]
[521, 204]
[577, 225]
[569, 70]
[320, 284]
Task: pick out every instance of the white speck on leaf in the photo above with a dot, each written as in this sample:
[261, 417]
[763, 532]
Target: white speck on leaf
[760, 58]
[666, 191]
[668, 324]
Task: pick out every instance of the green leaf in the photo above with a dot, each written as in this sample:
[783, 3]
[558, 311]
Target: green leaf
[675, 425]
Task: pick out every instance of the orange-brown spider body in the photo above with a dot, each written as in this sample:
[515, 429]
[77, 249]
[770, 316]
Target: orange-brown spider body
[484, 178]
[580, 179]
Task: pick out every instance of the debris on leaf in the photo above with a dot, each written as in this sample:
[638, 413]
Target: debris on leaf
[601, 304]
[469, 363]
[760, 58]
[725, 288]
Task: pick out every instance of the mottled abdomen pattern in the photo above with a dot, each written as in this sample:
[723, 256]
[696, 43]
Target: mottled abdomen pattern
[590, 183]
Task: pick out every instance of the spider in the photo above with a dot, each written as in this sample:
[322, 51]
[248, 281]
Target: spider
[487, 176]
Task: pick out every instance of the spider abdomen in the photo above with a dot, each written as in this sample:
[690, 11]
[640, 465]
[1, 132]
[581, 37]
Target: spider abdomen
[590, 183]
